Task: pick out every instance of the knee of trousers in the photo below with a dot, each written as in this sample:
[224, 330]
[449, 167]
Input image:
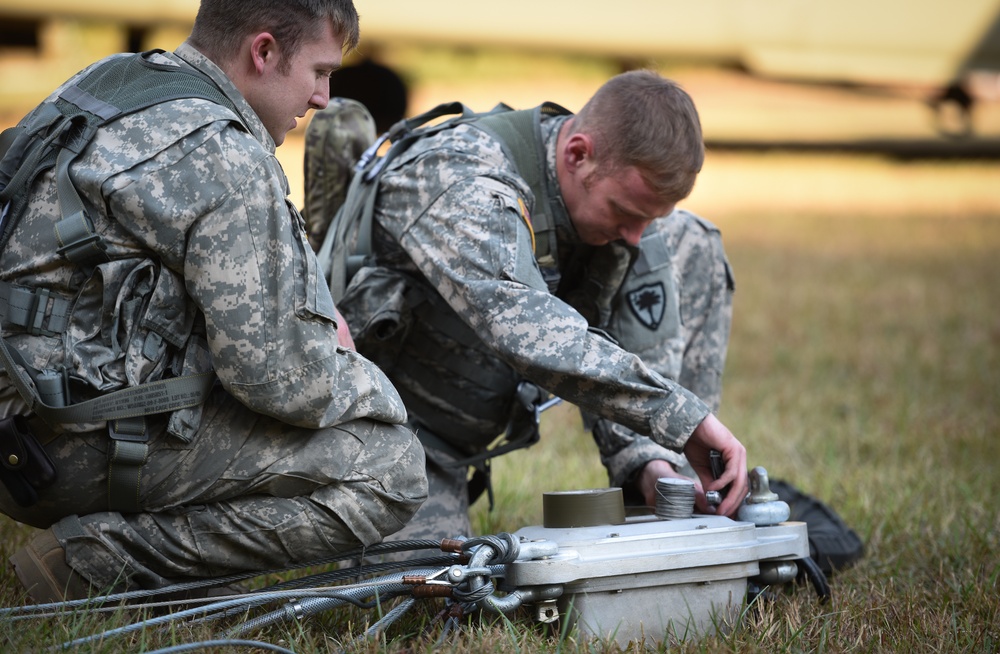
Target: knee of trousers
[399, 487]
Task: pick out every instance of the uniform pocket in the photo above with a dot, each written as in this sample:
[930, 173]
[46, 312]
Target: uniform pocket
[313, 299]
[375, 306]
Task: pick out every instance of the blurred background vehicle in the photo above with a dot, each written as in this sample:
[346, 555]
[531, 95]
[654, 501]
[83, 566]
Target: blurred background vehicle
[942, 57]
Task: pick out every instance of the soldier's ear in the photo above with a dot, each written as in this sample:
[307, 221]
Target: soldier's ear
[577, 150]
[578, 156]
[264, 52]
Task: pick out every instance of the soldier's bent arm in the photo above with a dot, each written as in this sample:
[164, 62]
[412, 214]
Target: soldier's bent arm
[473, 246]
[247, 265]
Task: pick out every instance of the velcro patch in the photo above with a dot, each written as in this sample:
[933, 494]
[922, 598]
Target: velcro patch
[648, 303]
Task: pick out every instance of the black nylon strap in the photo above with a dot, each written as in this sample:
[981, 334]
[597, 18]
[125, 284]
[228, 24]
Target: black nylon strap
[145, 399]
[126, 456]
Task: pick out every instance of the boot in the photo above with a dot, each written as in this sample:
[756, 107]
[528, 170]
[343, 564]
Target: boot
[42, 569]
[832, 544]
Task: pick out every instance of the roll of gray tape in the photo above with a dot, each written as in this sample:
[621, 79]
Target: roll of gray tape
[583, 508]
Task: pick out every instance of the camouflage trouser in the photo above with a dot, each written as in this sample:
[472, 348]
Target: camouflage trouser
[689, 346]
[335, 139]
[250, 493]
[445, 514]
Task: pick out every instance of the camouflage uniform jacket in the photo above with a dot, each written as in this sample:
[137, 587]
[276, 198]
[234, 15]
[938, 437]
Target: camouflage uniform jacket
[453, 217]
[209, 268]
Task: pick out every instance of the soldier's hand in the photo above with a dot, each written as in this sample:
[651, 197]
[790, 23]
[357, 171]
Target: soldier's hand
[713, 435]
[344, 332]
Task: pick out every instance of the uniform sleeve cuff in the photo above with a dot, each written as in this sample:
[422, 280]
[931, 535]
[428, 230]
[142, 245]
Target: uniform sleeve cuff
[677, 419]
[625, 466]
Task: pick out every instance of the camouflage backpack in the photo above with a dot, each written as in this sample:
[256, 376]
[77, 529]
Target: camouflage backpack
[52, 136]
[347, 242]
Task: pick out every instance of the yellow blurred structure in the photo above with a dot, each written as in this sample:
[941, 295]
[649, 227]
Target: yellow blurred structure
[43, 42]
[929, 43]
[866, 41]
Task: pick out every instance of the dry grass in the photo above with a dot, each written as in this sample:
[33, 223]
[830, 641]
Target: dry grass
[865, 367]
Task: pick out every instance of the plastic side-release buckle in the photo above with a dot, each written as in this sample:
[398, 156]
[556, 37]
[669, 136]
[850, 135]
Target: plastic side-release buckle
[80, 244]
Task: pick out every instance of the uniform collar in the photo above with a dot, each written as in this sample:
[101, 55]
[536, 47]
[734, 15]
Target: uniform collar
[193, 57]
[565, 232]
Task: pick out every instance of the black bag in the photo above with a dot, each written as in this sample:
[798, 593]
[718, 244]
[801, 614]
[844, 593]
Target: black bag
[26, 467]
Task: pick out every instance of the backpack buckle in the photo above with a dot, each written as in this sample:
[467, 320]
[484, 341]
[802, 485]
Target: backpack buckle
[84, 245]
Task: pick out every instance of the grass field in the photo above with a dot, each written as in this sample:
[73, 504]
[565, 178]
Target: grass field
[864, 366]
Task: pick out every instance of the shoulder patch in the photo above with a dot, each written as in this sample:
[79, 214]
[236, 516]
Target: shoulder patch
[648, 303]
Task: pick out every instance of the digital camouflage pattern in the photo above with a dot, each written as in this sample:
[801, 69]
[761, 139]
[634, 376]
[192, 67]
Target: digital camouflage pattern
[674, 310]
[249, 493]
[456, 309]
[299, 450]
[332, 148]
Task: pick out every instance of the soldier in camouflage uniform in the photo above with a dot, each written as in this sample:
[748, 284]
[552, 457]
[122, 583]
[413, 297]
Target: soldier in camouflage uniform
[630, 297]
[299, 451]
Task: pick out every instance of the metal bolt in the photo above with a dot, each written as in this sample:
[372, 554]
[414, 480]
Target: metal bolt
[762, 506]
[547, 611]
[760, 487]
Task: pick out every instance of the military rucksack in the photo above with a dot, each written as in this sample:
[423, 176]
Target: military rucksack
[348, 241]
[52, 136]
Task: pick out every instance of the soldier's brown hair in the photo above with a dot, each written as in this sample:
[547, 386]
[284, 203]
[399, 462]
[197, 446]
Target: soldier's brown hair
[221, 25]
[641, 119]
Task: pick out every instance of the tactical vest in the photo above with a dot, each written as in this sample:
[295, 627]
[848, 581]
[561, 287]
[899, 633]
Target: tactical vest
[497, 400]
[348, 242]
[52, 136]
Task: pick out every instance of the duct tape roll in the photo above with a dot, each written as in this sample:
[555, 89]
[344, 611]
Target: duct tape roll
[583, 508]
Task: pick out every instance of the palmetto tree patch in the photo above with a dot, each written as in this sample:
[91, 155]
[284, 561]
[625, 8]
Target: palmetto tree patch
[648, 303]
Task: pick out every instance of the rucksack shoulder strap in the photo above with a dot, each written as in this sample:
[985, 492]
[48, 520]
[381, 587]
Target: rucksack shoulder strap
[348, 242]
[520, 134]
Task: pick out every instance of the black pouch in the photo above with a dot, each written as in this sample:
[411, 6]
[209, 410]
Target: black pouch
[26, 467]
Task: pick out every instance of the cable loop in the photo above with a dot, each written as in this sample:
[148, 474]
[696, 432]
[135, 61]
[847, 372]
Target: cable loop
[506, 547]
[470, 595]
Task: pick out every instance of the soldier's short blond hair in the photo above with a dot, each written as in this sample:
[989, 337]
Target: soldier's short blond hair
[644, 120]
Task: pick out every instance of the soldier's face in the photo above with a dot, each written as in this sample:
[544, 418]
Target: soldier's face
[619, 206]
[285, 94]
